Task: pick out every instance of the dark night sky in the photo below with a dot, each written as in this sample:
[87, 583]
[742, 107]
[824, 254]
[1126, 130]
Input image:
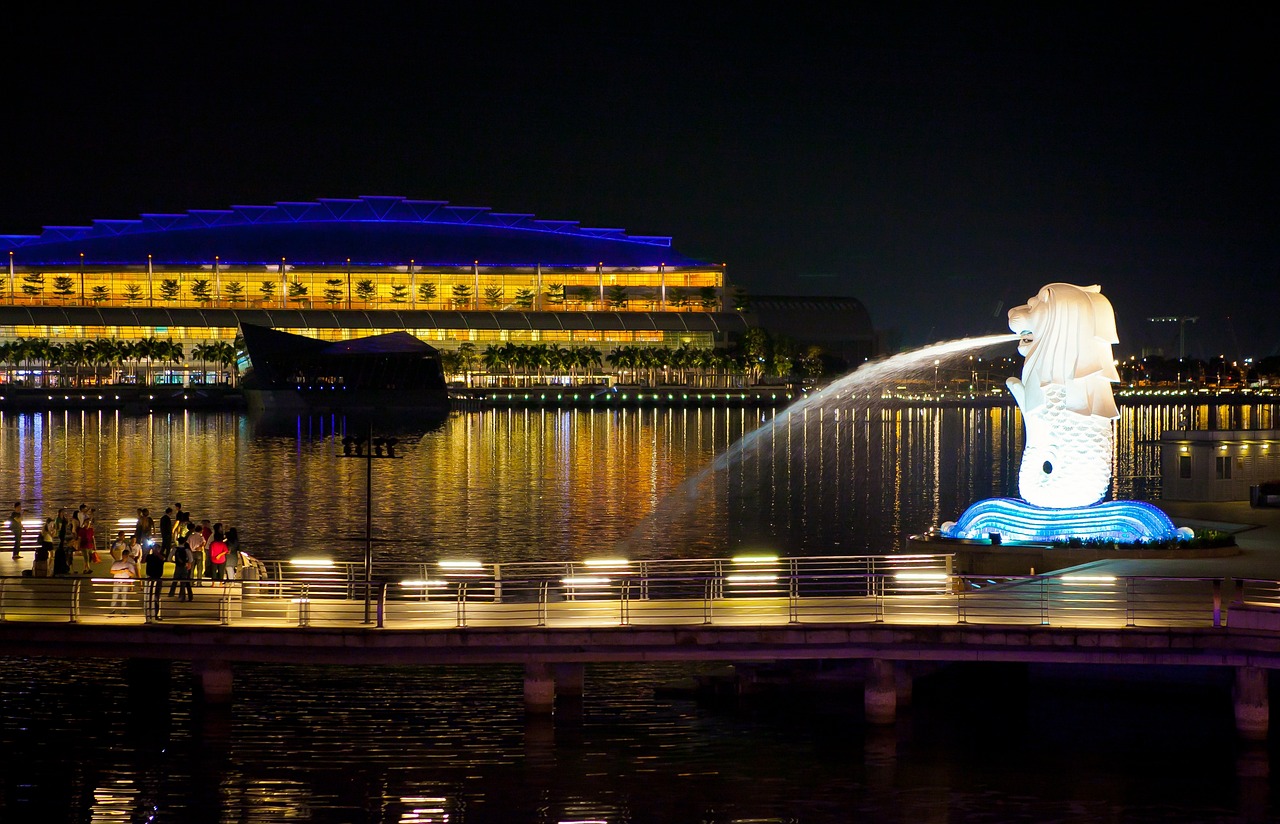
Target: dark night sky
[933, 162]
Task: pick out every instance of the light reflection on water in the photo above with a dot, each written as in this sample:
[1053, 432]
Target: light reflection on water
[81, 741]
[525, 484]
[88, 741]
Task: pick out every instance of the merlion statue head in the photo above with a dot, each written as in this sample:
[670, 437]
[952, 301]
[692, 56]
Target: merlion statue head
[1066, 333]
[1066, 337]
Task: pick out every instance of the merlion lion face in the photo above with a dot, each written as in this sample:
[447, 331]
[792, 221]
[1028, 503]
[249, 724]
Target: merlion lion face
[1028, 319]
[1065, 334]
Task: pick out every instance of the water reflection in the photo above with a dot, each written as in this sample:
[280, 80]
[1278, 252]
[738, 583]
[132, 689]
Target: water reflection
[520, 484]
[334, 744]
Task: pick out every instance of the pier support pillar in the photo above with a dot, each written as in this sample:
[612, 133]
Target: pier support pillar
[213, 679]
[539, 689]
[569, 679]
[1253, 710]
[880, 692]
[903, 682]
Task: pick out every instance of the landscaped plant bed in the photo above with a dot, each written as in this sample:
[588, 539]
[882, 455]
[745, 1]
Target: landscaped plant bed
[1203, 539]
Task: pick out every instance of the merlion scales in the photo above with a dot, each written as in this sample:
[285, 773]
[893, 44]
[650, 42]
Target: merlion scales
[1065, 334]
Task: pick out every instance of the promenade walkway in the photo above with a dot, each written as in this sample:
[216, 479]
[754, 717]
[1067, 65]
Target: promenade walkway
[554, 617]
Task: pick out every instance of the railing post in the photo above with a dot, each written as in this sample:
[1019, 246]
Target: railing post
[877, 585]
[304, 606]
[1044, 600]
[1217, 602]
[382, 604]
[497, 583]
[793, 598]
[1129, 604]
[962, 617]
[224, 604]
[624, 605]
[462, 604]
[543, 589]
[707, 592]
[2, 594]
[75, 600]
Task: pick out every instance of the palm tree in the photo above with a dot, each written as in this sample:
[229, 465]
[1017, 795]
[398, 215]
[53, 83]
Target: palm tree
[493, 358]
[147, 349]
[75, 353]
[590, 359]
[622, 358]
[171, 352]
[6, 352]
[101, 352]
[224, 354]
[467, 360]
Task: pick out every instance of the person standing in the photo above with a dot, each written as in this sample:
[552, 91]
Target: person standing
[87, 541]
[166, 532]
[146, 527]
[124, 572]
[233, 553]
[196, 542]
[61, 558]
[40, 569]
[120, 545]
[218, 553]
[182, 570]
[180, 530]
[155, 574]
[15, 529]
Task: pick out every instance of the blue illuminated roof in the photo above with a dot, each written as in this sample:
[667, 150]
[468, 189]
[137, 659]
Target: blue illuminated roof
[371, 231]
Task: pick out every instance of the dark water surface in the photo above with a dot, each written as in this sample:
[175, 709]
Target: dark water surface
[107, 741]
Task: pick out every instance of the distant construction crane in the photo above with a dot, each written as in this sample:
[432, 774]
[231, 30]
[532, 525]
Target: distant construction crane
[1182, 321]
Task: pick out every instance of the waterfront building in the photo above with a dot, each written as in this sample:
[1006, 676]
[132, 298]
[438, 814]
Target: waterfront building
[338, 269]
[1217, 465]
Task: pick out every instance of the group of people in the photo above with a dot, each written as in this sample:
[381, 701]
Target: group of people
[197, 550]
[63, 541]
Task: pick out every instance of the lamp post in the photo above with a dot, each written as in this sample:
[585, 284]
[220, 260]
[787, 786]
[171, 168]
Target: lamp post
[368, 448]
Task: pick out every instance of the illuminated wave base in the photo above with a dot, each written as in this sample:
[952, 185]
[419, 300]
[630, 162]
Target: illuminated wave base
[1016, 520]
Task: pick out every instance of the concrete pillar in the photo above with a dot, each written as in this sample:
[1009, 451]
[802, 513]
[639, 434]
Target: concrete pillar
[539, 689]
[569, 679]
[903, 682]
[1253, 712]
[213, 679]
[880, 692]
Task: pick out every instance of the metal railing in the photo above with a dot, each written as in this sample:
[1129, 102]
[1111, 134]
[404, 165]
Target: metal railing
[791, 591]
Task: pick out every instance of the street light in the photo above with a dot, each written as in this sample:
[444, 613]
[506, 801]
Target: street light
[368, 448]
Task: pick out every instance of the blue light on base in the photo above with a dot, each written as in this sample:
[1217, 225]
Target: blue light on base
[1016, 520]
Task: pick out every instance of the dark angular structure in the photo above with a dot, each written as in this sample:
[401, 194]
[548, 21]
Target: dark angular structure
[294, 372]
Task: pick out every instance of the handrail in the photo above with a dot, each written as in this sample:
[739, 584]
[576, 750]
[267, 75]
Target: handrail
[659, 598]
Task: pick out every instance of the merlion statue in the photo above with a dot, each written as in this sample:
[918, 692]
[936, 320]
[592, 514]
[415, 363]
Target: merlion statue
[1065, 395]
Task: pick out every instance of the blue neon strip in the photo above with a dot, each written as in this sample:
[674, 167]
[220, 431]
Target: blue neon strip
[1017, 520]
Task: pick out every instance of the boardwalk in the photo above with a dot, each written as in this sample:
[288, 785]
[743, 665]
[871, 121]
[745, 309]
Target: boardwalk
[555, 617]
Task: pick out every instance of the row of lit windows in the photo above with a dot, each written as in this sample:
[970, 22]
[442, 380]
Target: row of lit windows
[448, 338]
[576, 290]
